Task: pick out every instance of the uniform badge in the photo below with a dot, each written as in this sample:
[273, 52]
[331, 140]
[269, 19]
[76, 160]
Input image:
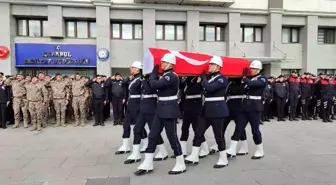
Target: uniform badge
[167, 78]
[220, 80]
[263, 79]
[3, 87]
[102, 85]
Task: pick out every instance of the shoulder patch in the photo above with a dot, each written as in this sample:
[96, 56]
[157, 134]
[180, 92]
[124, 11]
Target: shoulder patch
[263, 79]
[167, 78]
[220, 80]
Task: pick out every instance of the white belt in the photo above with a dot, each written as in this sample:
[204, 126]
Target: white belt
[253, 97]
[215, 99]
[135, 96]
[168, 98]
[193, 96]
[236, 97]
[149, 96]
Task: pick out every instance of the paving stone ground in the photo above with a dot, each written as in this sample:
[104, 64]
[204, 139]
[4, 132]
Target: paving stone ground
[297, 153]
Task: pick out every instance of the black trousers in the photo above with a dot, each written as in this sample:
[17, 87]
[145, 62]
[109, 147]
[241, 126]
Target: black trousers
[139, 130]
[10, 113]
[171, 131]
[107, 111]
[227, 121]
[267, 107]
[241, 121]
[293, 102]
[326, 109]
[217, 125]
[187, 120]
[98, 108]
[3, 115]
[117, 107]
[305, 103]
[281, 103]
[128, 121]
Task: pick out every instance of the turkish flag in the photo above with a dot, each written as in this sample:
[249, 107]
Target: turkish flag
[193, 63]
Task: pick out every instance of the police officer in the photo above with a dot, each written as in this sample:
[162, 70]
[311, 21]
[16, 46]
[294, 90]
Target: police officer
[253, 107]
[333, 80]
[192, 107]
[294, 88]
[99, 97]
[306, 95]
[323, 85]
[281, 96]
[167, 112]
[148, 104]
[132, 111]
[117, 91]
[213, 114]
[4, 102]
[267, 99]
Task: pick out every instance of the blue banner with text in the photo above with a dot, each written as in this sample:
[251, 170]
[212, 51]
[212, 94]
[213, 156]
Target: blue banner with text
[55, 55]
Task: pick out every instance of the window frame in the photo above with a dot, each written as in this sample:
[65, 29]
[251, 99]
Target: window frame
[325, 30]
[325, 71]
[291, 35]
[216, 26]
[75, 29]
[175, 31]
[254, 33]
[121, 30]
[27, 26]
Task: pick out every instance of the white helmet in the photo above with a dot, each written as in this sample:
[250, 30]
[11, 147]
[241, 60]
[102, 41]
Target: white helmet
[216, 60]
[169, 58]
[137, 64]
[256, 64]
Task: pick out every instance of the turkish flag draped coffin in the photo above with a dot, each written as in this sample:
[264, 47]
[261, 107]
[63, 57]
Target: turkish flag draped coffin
[193, 63]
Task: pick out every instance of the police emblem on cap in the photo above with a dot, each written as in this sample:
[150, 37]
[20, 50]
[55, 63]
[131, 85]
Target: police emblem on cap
[103, 54]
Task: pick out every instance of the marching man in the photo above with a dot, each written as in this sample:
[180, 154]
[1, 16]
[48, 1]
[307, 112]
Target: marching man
[253, 107]
[214, 112]
[167, 112]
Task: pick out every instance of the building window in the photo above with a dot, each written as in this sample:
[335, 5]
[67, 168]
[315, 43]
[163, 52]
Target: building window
[326, 36]
[81, 29]
[251, 34]
[169, 32]
[211, 33]
[289, 71]
[290, 35]
[31, 28]
[126, 31]
[326, 71]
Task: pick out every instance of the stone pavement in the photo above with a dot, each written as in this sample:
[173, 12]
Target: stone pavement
[297, 153]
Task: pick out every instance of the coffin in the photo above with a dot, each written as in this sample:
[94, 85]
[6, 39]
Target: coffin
[190, 64]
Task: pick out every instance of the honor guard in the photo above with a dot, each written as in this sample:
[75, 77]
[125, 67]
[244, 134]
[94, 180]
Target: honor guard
[133, 105]
[192, 107]
[253, 107]
[213, 114]
[306, 95]
[294, 87]
[167, 112]
[234, 96]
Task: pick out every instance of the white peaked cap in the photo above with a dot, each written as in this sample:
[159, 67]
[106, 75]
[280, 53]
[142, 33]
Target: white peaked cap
[216, 60]
[169, 58]
[256, 64]
[137, 64]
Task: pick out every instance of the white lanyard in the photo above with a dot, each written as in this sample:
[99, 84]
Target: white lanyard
[130, 85]
[213, 78]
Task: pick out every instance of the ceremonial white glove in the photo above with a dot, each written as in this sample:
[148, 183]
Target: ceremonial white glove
[8, 103]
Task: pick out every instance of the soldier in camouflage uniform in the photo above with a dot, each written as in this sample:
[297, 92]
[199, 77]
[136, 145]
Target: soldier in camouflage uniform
[78, 100]
[60, 95]
[45, 113]
[19, 99]
[37, 96]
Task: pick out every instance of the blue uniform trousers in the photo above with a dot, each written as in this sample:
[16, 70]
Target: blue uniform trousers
[139, 128]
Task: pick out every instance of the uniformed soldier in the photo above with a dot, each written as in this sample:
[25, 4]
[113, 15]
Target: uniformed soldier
[99, 98]
[294, 88]
[192, 107]
[167, 112]
[43, 80]
[37, 96]
[254, 87]
[19, 99]
[326, 89]
[117, 91]
[267, 98]
[133, 105]
[281, 96]
[333, 116]
[88, 100]
[214, 112]
[306, 95]
[61, 96]
[78, 100]
[4, 102]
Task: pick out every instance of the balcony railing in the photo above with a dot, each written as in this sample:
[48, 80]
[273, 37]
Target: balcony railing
[222, 3]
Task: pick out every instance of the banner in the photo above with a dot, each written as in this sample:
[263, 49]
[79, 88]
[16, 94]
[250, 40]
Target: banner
[55, 55]
[193, 63]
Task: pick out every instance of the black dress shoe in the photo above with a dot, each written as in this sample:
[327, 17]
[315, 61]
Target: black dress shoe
[241, 154]
[202, 156]
[212, 151]
[256, 157]
[160, 159]
[142, 172]
[282, 119]
[217, 166]
[175, 172]
[230, 155]
[122, 152]
[102, 124]
[95, 124]
[131, 161]
[190, 162]
[267, 120]
[174, 156]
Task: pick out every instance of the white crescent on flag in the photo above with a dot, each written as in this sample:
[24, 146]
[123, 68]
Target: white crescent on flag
[189, 60]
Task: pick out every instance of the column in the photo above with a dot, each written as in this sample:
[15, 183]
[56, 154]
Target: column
[103, 27]
[309, 44]
[148, 24]
[232, 35]
[272, 37]
[7, 34]
[192, 31]
[56, 26]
